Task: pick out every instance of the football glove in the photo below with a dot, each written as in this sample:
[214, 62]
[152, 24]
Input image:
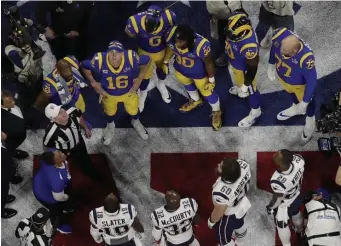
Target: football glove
[272, 72]
[165, 67]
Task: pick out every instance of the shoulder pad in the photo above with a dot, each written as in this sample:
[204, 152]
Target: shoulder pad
[170, 33]
[72, 61]
[170, 16]
[203, 48]
[249, 50]
[307, 61]
[278, 32]
[132, 25]
[277, 186]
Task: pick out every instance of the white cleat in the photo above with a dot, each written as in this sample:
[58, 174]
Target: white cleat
[142, 100]
[308, 130]
[166, 96]
[234, 90]
[108, 133]
[288, 113]
[140, 129]
[251, 118]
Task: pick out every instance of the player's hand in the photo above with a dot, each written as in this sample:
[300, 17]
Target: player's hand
[136, 86]
[88, 132]
[272, 72]
[269, 210]
[99, 90]
[49, 33]
[209, 86]
[243, 91]
[302, 107]
[210, 223]
[165, 67]
[72, 34]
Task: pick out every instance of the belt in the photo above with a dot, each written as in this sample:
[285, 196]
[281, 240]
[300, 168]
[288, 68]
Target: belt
[332, 234]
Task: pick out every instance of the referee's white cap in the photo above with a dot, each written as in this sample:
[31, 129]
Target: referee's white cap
[52, 111]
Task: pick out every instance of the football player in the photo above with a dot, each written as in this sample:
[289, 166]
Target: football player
[115, 223]
[286, 201]
[175, 220]
[242, 49]
[294, 62]
[194, 68]
[323, 219]
[121, 72]
[62, 85]
[150, 28]
[230, 202]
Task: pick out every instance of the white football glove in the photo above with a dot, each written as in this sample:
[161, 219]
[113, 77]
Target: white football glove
[243, 91]
[302, 108]
[210, 224]
[272, 72]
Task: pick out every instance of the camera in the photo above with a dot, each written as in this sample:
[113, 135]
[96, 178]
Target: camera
[330, 121]
[21, 30]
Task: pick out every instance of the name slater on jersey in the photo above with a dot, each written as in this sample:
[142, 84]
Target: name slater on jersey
[242, 184]
[178, 217]
[297, 176]
[117, 222]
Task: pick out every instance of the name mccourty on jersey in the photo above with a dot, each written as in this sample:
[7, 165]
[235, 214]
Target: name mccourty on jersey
[175, 218]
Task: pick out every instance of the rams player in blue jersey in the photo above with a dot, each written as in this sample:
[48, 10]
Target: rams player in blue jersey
[194, 68]
[150, 28]
[121, 73]
[242, 49]
[62, 85]
[294, 62]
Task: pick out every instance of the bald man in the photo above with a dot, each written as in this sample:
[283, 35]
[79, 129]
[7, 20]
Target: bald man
[294, 62]
[287, 199]
[62, 86]
[115, 223]
[175, 220]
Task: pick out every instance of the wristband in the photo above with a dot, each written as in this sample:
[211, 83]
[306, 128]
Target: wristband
[211, 79]
[210, 223]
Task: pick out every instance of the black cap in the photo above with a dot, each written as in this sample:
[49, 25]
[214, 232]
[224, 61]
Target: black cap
[41, 216]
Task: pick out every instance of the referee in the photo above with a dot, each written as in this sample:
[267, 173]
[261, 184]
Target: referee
[64, 133]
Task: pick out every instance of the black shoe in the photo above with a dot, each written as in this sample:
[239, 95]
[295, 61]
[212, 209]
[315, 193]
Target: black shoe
[8, 213]
[9, 199]
[16, 179]
[20, 154]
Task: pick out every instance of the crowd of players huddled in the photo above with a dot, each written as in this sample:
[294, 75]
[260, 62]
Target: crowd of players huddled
[123, 76]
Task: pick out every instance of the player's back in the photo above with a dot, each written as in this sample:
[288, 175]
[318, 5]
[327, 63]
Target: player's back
[190, 63]
[177, 225]
[291, 69]
[117, 228]
[151, 42]
[233, 194]
[118, 81]
[239, 51]
[289, 182]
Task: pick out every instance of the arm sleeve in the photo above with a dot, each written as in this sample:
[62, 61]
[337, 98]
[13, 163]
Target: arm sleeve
[277, 187]
[94, 230]
[132, 25]
[310, 76]
[221, 198]
[48, 88]
[94, 64]
[194, 204]
[204, 49]
[157, 231]
[143, 60]
[171, 17]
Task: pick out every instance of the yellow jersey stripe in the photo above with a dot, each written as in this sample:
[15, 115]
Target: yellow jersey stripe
[72, 62]
[250, 45]
[279, 33]
[200, 46]
[235, 18]
[130, 57]
[133, 21]
[100, 60]
[169, 17]
[305, 56]
[171, 33]
[51, 81]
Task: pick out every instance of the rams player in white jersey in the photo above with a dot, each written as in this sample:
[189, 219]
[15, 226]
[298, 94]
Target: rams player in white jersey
[230, 202]
[286, 201]
[175, 220]
[323, 219]
[115, 224]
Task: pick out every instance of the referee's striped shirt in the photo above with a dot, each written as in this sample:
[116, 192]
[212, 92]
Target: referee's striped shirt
[64, 138]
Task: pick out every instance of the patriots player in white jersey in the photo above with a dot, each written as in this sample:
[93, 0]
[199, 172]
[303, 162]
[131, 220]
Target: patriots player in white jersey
[323, 223]
[230, 202]
[175, 221]
[286, 201]
[115, 224]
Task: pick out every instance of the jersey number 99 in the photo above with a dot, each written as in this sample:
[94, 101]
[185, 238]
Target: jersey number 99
[155, 41]
[121, 82]
[184, 61]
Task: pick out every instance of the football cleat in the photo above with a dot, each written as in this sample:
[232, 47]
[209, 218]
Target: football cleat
[140, 129]
[251, 118]
[234, 90]
[216, 120]
[190, 105]
[308, 130]
[142, 100]
[166, 96]
[108, 133]
[288, 113]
